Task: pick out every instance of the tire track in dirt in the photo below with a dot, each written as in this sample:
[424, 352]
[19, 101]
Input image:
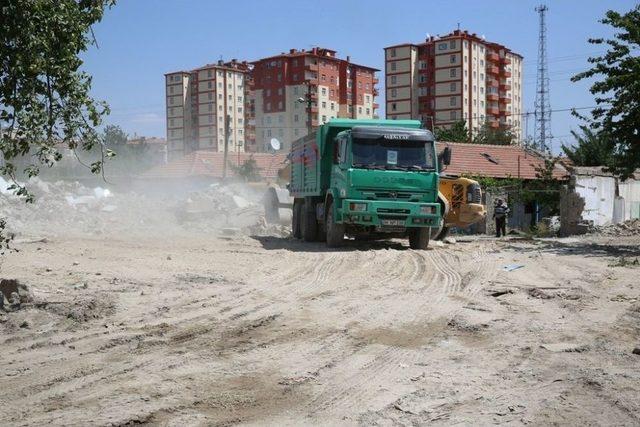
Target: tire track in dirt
[387, 359]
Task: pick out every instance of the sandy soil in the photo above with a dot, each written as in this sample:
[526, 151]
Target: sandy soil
[206, 330]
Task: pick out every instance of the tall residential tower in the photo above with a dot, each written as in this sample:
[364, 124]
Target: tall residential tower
[456, 77]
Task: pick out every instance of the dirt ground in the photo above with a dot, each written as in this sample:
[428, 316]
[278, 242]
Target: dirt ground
[202, 329]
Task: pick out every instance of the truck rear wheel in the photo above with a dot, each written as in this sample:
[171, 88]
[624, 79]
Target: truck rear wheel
[296, 230]
[335, 232]
[419, 238]
[308, 221]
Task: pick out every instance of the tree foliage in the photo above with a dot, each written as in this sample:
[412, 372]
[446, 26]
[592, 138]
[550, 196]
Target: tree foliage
[617, 90]
[592, 148]
[248, 170]
[44, 96]
[493, 136]
[458, 132]
[114, 136]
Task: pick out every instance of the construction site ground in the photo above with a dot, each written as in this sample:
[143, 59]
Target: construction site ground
[207, 329]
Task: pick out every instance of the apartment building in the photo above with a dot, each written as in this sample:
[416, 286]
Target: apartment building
[198, 104]
[298, 90]
[456, 77]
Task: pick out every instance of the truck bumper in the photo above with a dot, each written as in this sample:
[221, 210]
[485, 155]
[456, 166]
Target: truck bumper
[389, 215]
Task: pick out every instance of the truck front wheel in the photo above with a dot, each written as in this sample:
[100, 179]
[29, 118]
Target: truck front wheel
[419, 238]
[335, 232]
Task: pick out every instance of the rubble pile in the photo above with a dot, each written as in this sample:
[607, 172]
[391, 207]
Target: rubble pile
[628, 228]
[64, 206]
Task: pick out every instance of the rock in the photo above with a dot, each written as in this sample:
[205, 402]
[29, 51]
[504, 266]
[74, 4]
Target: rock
[24, 324]
[449, 240]
[168, 257]
[75, 263]
[636, 351]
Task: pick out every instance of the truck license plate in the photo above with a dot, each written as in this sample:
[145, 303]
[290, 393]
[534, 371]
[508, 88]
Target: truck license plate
[392, 222]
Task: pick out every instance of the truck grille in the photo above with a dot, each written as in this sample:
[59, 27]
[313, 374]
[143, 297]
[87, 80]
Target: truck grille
[392, 195]
[394, 211]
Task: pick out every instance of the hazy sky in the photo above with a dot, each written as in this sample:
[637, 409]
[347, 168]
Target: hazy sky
[140, 40]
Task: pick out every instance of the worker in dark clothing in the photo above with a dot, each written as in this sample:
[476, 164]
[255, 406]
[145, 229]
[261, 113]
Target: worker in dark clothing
[500, 212]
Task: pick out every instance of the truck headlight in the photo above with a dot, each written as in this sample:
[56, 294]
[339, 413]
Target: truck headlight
[357, 207]
[427, 210]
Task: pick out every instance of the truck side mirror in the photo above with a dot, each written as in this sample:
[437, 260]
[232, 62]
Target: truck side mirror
[446, 156]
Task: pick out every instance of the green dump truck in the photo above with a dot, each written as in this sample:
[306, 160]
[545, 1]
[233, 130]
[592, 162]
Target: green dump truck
[366, 178]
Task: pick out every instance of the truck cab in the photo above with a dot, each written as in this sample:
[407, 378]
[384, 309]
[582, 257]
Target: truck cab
[375, 178]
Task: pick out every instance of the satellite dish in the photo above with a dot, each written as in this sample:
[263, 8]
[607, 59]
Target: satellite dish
[275, 144]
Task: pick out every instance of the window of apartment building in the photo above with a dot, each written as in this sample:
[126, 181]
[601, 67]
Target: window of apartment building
[452, 87]
[230, 97]
[295, 131]
[359, 85]
[323, 77]
[394, 93]
[466, 59]
[220, 96]
[280, 105]
[210, 85]
[333, 106]
[452, 44]
[433, 104]
[295, 118]
[452, 59]
[442, 46]
[239, 131]
[229, 86]
[367, 98]
[393, 66]
[170, 100]
[422, 65]
[171, 122]
[422, 78]
[474, 88]
[350, 109]
[359, 110]
[295, 90]
[279, 77]
[481, 76]
[422, 91]
[349, 84]
[240, 120]
[475, 75]
[452, 101]
[393, 53]
[368, 111]
[474, 46]
[482, 90]
[239, 99]
[324, 104]
[239, 86]
[394, 106]
[170, 89]
[466, 73]
[481, 48]
[267, 92]
[394, 80]
[210, 119]
[280, 119]
[268, 108]
[268, 132]
[210, 107]
[219, 118]
[332, 92]
[294, 77]
[466, 44]
[453, 115]
[466, 101]
[280, 132]
[230, 108]
[482, 103]
[219, 107]
[452, 72]
[210, 97]
[219, 85]
[324, 91]
[280, 91]
[333, 79]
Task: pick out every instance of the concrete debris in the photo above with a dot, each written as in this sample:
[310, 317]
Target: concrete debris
[15, 294]
[627, 228]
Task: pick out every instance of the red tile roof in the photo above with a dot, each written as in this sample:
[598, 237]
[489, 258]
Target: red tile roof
[209, 164]
[496, 161]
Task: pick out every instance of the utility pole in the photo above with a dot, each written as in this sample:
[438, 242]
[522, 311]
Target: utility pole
[227, 135]
[542, 133]
[309, 105]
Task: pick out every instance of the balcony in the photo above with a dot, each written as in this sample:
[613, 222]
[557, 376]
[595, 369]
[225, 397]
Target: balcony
[505, 61]
[492, 83]
[505, 113]
[504, 99]
[493, 56]
[493, 123]
[313, 109]
[376, 81]
[376, 105]
[492, 97]
[375, 92]
[493, 111]
[311, 67]
[506, 73]
[504, 87]
[493, 70]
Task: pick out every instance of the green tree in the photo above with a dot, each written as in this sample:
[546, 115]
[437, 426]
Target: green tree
[44, 96]
[617, 90]
[488, 135]
[248, 170]
[592, 148]
[114, 136]
[458, 132]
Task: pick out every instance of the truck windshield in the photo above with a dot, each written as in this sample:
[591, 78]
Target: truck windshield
[380, 153]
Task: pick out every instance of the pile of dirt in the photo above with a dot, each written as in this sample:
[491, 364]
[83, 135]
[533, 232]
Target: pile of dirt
[628, 228]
